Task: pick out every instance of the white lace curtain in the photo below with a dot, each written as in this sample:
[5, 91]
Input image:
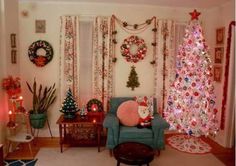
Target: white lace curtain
[102, 60]
[169, 36]
[69, 57]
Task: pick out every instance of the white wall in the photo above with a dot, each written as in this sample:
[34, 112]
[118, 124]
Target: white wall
[221, 17]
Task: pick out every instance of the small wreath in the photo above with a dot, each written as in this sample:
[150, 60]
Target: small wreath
[136, 55]
[40, 60]
[94, 105]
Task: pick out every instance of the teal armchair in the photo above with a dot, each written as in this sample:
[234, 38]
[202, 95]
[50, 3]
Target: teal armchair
[117, 133]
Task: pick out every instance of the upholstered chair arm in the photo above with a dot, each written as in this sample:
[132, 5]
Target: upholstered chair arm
[111, 122]
[158, 127]
[159, 122]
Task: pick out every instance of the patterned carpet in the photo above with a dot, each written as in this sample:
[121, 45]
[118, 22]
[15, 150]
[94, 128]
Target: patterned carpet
[20, 162]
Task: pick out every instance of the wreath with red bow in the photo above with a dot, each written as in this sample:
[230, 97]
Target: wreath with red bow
[140, 52]
[40, 60]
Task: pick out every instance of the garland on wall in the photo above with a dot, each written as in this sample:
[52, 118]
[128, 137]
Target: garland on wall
[132, 29]
[226, 74]
[165, 33]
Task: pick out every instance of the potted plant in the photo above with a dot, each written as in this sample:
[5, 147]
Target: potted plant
[43, 98]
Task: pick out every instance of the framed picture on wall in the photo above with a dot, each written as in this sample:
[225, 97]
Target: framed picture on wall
[40, 26]
[220, 34]
[219, 54]
[13, 40]
[217, 73]
[13, 56]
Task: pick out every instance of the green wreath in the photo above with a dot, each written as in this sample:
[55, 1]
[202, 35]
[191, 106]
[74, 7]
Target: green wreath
[137, 54]
[40, 60]
[97, 103]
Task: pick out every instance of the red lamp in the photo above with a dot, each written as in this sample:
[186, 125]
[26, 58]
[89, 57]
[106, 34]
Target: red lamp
[94, 121]
[94, 107]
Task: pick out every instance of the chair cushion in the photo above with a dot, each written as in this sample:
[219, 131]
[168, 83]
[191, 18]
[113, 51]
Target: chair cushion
[135, 133]
[128, 113]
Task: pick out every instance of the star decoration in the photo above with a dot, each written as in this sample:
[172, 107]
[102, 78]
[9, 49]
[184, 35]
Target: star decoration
[194, 14]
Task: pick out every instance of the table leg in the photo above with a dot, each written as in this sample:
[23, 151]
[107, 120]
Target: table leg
[118, 163]
[99, 137]
[60, 132]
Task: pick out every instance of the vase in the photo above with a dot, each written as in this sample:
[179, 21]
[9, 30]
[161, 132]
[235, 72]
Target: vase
[37, 121]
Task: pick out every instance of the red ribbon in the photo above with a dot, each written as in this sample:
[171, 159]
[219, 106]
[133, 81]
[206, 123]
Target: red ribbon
[226, 74]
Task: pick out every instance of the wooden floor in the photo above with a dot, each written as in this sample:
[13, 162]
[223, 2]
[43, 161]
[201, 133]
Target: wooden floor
[226, 155]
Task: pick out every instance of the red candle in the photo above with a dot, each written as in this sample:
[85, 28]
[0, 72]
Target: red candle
[94, 107]
[10, 115]
[21, 100]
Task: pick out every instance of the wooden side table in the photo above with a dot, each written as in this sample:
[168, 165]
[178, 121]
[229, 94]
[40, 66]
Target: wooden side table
[1, 155]
[70, 130]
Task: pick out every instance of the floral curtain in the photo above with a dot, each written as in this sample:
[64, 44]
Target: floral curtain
[69, 58]
[165, 66]
[102, 61]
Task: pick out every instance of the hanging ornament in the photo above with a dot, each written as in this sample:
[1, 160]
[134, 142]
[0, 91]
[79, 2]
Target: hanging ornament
[133, 79]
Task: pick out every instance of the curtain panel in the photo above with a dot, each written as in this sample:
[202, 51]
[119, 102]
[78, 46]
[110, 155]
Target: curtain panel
[102, 61]
[69, 58]
[164, 70]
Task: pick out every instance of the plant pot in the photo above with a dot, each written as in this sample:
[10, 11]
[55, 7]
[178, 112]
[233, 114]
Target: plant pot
[37, 121]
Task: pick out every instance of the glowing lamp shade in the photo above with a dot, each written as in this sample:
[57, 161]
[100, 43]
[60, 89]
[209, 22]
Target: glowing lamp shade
[94, 107]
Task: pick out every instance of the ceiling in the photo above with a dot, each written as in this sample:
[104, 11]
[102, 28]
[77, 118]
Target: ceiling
[170, 3]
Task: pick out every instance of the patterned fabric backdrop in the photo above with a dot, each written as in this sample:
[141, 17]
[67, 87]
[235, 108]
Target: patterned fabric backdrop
[69, 58]
[102, 61]
[164, 68]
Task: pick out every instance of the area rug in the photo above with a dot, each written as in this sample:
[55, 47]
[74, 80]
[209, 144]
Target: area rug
[189, 144]
[89, 156]
[20, 162]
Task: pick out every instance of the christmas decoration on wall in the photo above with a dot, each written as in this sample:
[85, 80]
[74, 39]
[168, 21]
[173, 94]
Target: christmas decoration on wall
[69, 106]
[131, 29]
[133, 49]
[133, 79]
[12, 86]
[191, 101]
[226, 75]
[40, 53]
[94, 105]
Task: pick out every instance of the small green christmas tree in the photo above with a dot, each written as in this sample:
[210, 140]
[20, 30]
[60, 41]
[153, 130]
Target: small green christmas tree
[69, 106]
[133, 79]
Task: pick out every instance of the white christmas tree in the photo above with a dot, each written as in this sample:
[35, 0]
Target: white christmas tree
[191, 101]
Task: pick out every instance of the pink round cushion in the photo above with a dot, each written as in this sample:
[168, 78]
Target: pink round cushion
[128, 113]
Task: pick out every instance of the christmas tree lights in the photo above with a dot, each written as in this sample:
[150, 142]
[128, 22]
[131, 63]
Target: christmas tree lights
[191, 101]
